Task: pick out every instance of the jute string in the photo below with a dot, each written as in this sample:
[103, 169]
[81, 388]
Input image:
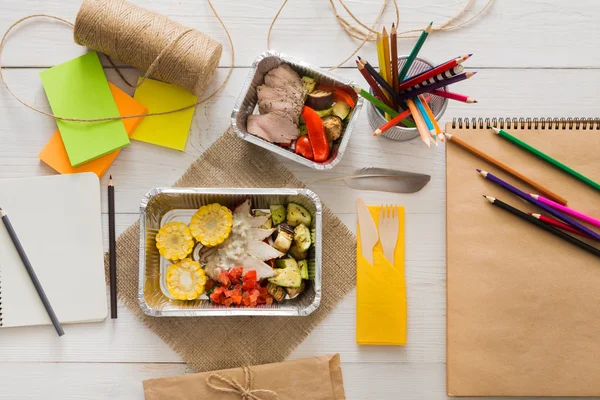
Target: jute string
[137, 52]
[246, 393]
[362, 32]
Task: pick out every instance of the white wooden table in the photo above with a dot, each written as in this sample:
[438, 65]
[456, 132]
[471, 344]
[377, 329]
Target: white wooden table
[536, 58]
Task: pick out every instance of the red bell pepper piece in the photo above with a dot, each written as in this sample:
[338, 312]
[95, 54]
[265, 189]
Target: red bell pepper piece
[339, 94]
[316, 134]
[303, 147]
[286, 144]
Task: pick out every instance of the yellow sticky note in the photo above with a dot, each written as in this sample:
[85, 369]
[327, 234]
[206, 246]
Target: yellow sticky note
[381, 308]
[170, 130]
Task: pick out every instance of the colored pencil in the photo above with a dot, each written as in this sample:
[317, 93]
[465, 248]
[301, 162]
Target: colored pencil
[505, 135]
[567, 210]
[499, 164]
[396, 120]
[558, 224]
[438, 78]
[112, 248]
[426, 118]
[31, 272]
[413, 80]
[535, 202]
[413, 54]
[421, 126]
[382, 82]
[540, 224]
[436, 126]
[437, 85]
[376, 102]
[376, 89]
[394, 56]
[382, 70]
[385, 39]
[453, 96]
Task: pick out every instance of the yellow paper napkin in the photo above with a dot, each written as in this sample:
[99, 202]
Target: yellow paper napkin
[381, 311]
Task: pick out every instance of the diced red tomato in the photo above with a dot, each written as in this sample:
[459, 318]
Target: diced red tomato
[269, 300]
[224, 279]
[214, 297]
[250, 275]
[227, 302]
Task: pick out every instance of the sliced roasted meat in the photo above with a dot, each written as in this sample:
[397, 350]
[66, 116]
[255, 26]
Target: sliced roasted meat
[273, 127]
[282, 107]
[284, 77]
[265, 92]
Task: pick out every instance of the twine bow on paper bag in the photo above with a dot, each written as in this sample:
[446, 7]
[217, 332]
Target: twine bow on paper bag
[246, 393]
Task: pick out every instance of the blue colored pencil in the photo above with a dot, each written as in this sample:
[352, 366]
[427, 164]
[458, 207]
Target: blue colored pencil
[425, 115]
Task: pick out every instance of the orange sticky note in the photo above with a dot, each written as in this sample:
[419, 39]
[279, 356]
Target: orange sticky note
[55, 155]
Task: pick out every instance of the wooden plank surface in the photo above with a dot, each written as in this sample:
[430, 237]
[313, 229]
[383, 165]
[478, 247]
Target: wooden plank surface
[535, 59]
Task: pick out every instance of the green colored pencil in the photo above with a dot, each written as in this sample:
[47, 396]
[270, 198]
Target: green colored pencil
[544, 157]
[413, 54]
[381, 105]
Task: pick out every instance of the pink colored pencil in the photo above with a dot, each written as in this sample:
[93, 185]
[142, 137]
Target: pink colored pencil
[453, 96]
[558, 224]
[566, 210]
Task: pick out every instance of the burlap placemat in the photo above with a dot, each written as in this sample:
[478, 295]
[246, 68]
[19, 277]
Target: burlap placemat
[213, 343]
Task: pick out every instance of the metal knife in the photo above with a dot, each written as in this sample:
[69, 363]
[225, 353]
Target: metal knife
[368, 230]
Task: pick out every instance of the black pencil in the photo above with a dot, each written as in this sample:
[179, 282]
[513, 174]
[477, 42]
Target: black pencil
[112, 249]
[31, 272]
[386, 86]
[544, 226]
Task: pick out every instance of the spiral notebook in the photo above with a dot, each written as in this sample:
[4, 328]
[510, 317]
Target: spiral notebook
[58, 221]
[523, 305]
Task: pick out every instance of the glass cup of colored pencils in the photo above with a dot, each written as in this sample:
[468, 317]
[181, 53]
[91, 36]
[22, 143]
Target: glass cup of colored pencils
[400, 131]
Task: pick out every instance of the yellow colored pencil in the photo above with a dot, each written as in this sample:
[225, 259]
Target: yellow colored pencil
[381, 62]
[438, 131]
[419, 121]
[385, 38]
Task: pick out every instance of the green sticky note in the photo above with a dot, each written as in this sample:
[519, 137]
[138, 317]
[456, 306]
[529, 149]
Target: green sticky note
[79, 89]
[169, 130]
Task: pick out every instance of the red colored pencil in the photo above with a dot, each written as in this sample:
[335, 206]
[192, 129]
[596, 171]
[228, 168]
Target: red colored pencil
[376, 89]
[396, 120]
[453, 96]
[412, 81]
[558, 224]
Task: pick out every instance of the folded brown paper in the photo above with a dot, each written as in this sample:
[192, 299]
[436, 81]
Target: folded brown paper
[316, 378]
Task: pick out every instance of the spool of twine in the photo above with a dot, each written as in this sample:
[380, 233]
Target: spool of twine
[149, 41]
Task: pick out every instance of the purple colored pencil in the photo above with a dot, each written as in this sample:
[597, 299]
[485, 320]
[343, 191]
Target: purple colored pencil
[538, 203]
[437, 85]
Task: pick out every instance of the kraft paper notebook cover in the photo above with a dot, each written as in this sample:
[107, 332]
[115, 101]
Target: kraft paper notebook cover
[523, 305]
[55, 155]
[58, 221]
[79, 89]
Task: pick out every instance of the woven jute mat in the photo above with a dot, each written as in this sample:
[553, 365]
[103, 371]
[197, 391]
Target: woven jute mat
[213, 343]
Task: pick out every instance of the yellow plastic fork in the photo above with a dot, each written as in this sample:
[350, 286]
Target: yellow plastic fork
[388, 230]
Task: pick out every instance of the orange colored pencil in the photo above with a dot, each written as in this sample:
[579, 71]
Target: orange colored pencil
[394, 58]
[396, 120]
[438, 131]
[373, 84]
[420, 122]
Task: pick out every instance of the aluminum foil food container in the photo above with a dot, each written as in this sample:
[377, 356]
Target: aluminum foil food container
[246, 105]
[173, 202]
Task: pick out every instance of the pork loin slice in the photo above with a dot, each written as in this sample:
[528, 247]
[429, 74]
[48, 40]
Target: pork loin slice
[273, 127]
[282, 107]
[265, 92]
[284, 77]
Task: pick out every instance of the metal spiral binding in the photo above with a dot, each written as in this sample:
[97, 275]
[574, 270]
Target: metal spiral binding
[527, 123]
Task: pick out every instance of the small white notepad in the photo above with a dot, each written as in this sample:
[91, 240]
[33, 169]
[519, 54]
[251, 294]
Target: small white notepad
[58, 221]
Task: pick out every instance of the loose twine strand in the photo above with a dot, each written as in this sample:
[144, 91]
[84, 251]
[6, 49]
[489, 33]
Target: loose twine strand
[145, 76]
[246, 393]
[362, 32]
